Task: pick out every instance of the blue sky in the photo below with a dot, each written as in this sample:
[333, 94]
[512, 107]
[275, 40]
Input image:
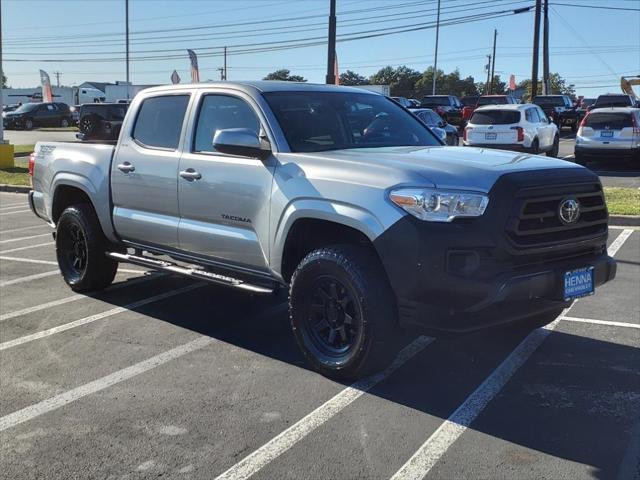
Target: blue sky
[590, 47]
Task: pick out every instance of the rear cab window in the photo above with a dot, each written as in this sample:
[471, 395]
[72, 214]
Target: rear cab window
[613, 101]
[159, 121]
[495, 117]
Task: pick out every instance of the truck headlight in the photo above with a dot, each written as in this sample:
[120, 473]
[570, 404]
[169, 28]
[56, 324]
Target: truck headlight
[436, 205]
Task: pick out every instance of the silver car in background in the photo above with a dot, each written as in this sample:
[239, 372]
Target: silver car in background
[609, 134]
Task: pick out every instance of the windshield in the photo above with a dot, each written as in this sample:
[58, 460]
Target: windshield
[554, 101]
[492, 101]
[321, 121]
[436, 101]
[27, 107]
[495, 117]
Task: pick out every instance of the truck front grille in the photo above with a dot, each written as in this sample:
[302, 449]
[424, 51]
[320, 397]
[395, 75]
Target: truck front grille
[536, 222]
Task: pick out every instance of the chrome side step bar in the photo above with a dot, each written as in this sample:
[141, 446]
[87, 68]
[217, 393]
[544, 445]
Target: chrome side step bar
[192, 272]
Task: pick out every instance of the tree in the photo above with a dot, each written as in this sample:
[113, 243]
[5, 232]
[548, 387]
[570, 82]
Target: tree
[556, 82]
[284, 74]
[401, 80]
[446, 84]
[4, 81]
[352, 78]
[498, 87]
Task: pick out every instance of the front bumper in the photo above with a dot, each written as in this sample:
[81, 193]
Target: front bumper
[468, 274]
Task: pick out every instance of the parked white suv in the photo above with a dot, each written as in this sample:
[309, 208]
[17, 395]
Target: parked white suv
[609, 134]
[512, 127]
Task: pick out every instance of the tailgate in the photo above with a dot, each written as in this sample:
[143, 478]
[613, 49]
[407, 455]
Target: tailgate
[489, 134]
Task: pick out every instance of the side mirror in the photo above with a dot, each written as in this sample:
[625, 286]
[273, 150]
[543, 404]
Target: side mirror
[240, 141]
[442, 124]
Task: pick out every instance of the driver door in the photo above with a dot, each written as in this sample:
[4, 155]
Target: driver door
[224, 199]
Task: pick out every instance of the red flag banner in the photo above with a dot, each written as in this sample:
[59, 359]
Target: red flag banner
[195, 73]
[47, 93]
[512, 82]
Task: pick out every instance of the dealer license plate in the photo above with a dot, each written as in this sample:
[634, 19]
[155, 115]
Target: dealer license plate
[490, 136]
[578, 283]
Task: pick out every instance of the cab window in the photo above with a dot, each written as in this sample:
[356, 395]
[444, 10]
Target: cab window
[159, 121]
[219, 112]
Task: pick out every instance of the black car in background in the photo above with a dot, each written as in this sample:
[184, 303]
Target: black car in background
[32, 115]
[560, 109]
[449, 107]
[432, 120]
[101, 121]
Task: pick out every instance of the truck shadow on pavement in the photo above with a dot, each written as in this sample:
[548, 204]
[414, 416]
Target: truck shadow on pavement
[576, 398]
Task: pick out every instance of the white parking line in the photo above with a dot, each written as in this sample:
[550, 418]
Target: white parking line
[567, 157]
[619, 241]
[75, 297]
[19, 249]
[98, 316]
[292, 435]
[25, 238]
[601, 322]
[51, 262]
[13, 213]
[53, 403]
[12, 207]
[21, 204]
[28, 278]
[21, 229]
[421, 462]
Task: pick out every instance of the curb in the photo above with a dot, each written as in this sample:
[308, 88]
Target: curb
[625, 220]
[21, 154]
[14, 188]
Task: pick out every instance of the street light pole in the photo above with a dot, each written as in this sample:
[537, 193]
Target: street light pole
[331, 54]
[435, 57]
[126, 11]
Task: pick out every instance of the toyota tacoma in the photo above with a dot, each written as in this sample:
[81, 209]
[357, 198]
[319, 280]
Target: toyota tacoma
[336, 194]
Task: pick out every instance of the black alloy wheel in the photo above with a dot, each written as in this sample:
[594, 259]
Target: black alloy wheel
[334, 323]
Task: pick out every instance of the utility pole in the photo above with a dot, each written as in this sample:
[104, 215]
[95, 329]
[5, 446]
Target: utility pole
[488, 83]
[435, 57]
[1, 97]
[546, 87]
[225, 64]
[57, 74]
[331, 54]
[536, 47]
[493, 60]
[126, 14]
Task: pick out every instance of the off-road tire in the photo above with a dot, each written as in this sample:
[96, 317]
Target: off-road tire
[78, 224]
[359, 271]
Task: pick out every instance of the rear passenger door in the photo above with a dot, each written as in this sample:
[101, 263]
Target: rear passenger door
[144, 172]
[225, 210]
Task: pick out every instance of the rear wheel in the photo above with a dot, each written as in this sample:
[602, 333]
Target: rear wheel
[64, 123]
[88, 125]
[535, 147]
[555, 148]
[28, 124]
[342, 311]
[80, 249]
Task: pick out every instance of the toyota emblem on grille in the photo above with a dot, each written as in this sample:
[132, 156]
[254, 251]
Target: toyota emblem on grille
[569, 211]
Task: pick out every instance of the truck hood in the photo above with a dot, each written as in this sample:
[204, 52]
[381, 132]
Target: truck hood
[462, 168]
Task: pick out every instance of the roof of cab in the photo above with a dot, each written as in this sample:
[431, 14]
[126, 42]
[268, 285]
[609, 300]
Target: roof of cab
[615, 109]
[506, 106]
[262, 86]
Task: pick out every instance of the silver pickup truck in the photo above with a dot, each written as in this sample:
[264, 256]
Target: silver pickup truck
[338, 194]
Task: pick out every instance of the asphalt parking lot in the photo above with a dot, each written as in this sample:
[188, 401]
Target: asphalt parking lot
[30, 137]
[159, 376]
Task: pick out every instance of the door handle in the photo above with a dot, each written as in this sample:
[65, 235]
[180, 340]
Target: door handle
[126, 167]
[190, 174]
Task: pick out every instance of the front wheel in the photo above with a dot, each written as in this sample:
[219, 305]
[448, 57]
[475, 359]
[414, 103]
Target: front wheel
[28, 124]
[80, 249]
[343, 312]
[555, 148]
[64, 123]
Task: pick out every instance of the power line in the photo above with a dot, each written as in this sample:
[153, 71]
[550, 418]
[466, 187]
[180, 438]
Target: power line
[597, 7]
